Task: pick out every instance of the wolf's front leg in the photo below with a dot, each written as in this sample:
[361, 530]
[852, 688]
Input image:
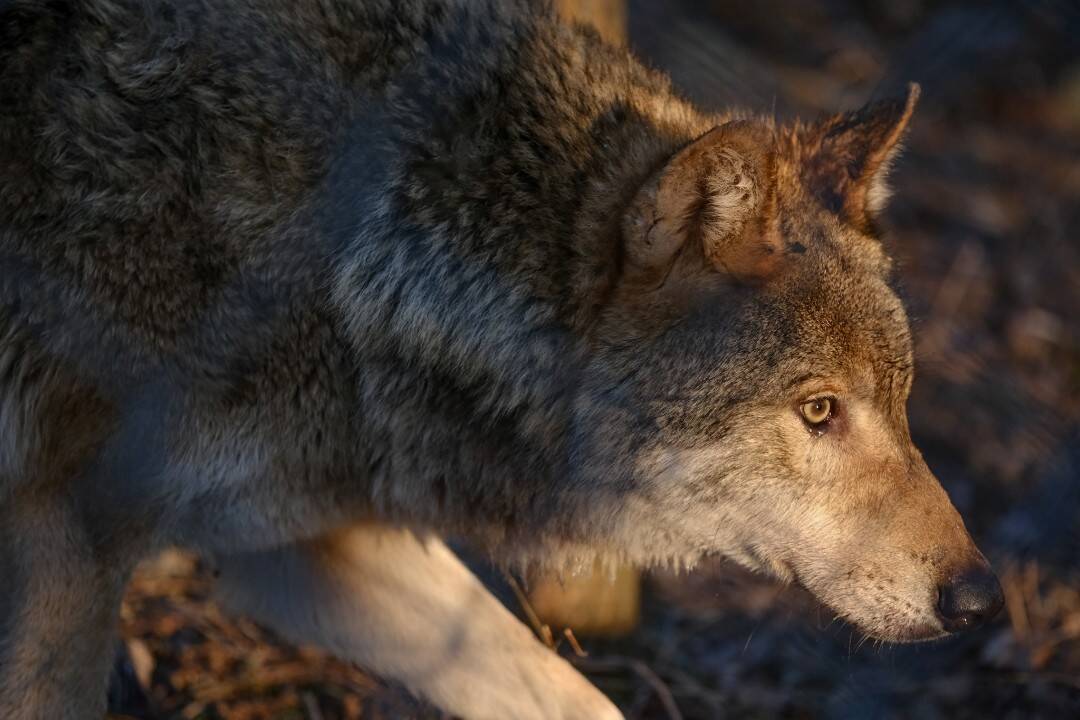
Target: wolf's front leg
[59, 601]
[409, 610]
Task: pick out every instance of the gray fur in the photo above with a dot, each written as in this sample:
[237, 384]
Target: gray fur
[269, 270]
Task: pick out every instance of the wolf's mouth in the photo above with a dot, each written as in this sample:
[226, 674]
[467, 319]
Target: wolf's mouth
[899, 631]
[923, 632]
[886, 628]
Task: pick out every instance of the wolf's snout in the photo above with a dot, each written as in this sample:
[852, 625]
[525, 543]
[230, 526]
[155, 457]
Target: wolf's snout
[969, 599]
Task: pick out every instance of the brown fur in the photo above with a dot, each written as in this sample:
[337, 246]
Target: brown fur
[276, 275]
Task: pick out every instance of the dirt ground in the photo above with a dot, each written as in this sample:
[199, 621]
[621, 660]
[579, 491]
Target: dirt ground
[985, 226]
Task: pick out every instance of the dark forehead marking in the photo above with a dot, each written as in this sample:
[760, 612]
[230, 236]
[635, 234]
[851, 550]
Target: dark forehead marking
[798, 226]
[806, 228]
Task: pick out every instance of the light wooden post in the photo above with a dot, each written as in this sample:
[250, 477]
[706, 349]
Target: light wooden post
[607, 16]
[600, 602]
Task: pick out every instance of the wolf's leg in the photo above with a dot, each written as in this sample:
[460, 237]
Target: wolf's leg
[59, 600]
[409, 610]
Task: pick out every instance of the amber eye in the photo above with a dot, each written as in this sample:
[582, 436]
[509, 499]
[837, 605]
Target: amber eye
[817, 411]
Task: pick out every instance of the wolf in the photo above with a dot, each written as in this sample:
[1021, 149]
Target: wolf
[310, 287]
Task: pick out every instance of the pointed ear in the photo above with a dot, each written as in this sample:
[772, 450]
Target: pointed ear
[716, 199]
[848, 157]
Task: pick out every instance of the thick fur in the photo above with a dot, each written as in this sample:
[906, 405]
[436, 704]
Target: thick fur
[273, 270]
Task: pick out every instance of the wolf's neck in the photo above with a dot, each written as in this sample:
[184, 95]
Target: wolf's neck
[489, 199]
[486, 202]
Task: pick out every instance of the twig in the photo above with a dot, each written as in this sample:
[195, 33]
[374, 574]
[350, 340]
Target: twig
[574, 645]
[618, 662]
[541, 629]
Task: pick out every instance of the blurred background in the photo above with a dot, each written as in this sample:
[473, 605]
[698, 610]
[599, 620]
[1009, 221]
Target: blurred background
[985, 228]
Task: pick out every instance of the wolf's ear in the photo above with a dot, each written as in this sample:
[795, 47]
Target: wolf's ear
[716, 198]
[848, 157]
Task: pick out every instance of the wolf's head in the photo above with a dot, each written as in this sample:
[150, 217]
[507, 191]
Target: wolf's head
[751, 373]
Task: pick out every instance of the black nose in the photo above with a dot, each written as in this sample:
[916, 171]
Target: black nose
[969, 599]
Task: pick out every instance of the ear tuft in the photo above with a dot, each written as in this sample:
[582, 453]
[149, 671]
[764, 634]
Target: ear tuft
[849, 156]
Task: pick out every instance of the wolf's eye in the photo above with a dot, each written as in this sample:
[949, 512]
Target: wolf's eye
[817, 412]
